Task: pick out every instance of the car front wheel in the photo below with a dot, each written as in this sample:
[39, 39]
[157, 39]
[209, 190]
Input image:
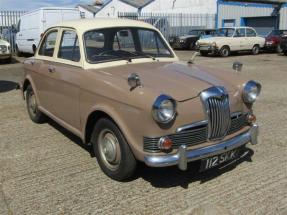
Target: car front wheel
[35, 114]
[224, 51]
[255, 50]
[112, 151]
[18, 53]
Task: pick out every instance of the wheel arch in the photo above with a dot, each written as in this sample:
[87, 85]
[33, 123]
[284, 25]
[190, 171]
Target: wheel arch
[92, 119]
[103, 111]
[28, 81]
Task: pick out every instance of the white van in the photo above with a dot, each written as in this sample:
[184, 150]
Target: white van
[32, 24]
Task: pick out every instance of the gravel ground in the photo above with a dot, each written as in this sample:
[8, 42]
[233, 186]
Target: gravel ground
[46, 170]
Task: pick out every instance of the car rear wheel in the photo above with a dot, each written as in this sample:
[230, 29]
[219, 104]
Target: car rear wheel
[203, 53]
[224, 51]
[112, 151]
[35, 114]
[255, 50]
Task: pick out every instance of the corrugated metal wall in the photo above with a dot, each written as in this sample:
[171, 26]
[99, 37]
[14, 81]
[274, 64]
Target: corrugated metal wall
[283, 18]
[236, 12]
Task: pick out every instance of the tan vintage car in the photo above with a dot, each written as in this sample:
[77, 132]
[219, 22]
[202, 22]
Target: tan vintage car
[118, 85]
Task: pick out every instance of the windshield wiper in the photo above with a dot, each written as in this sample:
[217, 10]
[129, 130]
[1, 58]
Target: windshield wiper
[146, 55]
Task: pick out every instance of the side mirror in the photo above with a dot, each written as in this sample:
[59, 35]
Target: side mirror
[134, 81]
[14, 29]
[237, 66]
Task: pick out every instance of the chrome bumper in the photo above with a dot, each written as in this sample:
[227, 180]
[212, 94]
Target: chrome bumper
[182, 157]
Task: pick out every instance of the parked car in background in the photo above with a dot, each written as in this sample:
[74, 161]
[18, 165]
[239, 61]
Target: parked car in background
[118, 85]
[33, 24]
[284, 43]
[5, 50]
[273, 40]
[229, 40]
[189, 41]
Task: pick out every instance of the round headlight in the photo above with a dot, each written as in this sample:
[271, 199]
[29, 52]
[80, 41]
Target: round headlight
[164, 109]
[251, 91]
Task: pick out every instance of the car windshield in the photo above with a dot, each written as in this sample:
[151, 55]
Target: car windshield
[194, 32]
[277, 33]
[112, 44]
[225, 32]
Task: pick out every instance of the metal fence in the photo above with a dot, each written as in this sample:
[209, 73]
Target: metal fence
[173, 24]
[8, 22]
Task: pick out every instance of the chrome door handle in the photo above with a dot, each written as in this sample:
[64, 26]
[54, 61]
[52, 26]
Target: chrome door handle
[51, 69]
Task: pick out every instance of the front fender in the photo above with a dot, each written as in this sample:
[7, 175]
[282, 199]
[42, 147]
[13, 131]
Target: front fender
[124, 117]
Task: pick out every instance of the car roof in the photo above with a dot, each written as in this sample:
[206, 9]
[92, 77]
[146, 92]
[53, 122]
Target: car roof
[83, 25]
[237, 27]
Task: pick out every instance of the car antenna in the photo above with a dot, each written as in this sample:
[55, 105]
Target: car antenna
[192, 59]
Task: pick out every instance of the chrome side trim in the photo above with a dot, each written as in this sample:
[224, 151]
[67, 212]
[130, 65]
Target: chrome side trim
[182, 157]
[191, 126]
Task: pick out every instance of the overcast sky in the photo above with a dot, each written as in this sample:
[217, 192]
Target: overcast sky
[33, 4]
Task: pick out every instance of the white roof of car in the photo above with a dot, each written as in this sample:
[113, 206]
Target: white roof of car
[237, 27]
[83, 25]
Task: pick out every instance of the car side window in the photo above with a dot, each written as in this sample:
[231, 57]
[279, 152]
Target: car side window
[240, 32]
[250, 32]
[69, 46]
[48, 45]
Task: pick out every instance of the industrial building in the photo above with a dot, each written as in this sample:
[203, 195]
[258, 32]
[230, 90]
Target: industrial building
[263, 15]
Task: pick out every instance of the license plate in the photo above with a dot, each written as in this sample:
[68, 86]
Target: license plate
[216, 160]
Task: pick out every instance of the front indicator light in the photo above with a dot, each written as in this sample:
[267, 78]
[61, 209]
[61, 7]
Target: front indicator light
[165, 143]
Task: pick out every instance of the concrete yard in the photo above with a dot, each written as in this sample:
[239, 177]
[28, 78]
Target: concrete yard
[44, 169]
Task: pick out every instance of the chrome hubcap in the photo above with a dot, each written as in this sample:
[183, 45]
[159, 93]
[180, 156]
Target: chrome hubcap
[225, 52]
[32, 103]
[109, 149]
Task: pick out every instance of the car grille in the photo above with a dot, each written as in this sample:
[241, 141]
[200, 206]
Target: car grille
[218, 116]
[195, 135]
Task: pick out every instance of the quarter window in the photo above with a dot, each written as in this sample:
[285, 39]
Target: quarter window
[250, 32]
[69, 47]
[48, 44]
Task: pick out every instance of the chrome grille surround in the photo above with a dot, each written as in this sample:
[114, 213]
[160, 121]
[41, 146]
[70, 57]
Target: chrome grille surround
[215, 102]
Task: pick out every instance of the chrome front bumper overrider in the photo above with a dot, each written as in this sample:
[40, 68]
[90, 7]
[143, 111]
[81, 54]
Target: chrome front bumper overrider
[183, 156]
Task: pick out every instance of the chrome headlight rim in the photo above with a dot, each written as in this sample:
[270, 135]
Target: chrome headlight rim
[248, 91]
[157, 107]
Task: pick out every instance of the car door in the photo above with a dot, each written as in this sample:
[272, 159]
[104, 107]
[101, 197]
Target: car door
[251, 36]
[66, 77]
[43, 70]
[239, 40]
